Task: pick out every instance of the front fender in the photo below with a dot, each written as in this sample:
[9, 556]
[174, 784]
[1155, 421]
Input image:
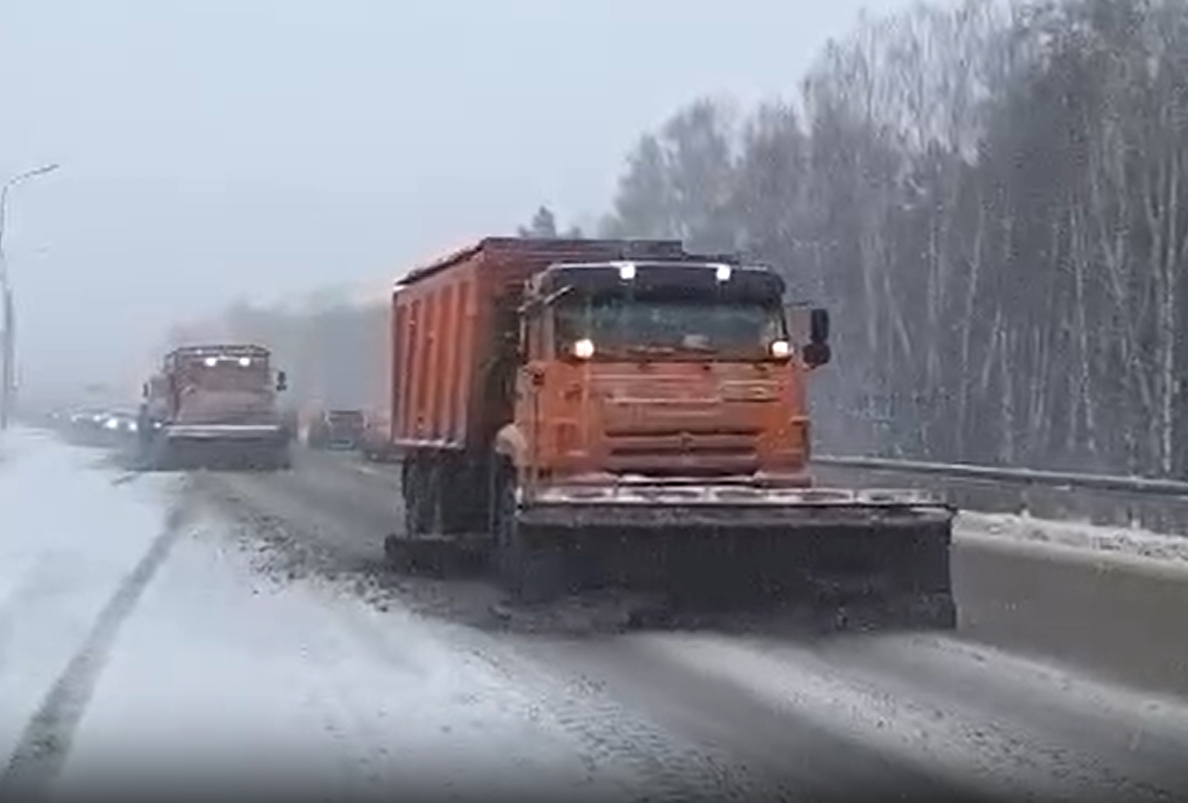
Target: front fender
[511, 443]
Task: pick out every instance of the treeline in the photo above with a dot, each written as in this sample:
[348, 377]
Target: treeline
[994, 203]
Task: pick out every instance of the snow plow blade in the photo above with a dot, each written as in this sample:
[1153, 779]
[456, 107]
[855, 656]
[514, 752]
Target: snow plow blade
[884, 552]
[198, 446]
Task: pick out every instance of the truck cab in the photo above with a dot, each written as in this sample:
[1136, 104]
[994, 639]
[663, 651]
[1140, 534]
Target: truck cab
[663, 370]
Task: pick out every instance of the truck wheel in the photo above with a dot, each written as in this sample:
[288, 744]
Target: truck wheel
[532, 574]
[283, 460]
[396, 553]
[144, 449]
[418, 497]
[160, 456]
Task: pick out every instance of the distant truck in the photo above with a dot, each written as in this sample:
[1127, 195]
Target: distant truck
[335, 429]
[214, 405]
[624, 413]
[377, 442]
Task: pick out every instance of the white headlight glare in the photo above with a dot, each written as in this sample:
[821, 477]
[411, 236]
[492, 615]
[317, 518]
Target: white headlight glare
[780, 348]
[245, 361]
[722, 273]
[583, 349]
[626, 271]
[211, 362]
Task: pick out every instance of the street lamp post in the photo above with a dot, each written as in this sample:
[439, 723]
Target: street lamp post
[8, 347]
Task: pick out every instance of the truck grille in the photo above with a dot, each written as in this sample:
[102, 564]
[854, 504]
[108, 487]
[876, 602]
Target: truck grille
[682, 451]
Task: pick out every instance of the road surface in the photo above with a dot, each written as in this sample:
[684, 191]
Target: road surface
[237, 628]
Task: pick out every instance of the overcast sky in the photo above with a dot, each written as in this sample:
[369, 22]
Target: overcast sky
[217, 149]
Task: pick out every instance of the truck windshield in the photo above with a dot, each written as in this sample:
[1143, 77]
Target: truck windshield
[346, 417]
[619, 325]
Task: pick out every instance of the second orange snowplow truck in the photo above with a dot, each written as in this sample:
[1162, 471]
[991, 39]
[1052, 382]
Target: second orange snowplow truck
[613, 412]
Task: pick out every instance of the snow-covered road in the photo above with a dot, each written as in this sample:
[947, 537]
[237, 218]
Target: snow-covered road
[145, 638]
[137, 646]
[70, 543]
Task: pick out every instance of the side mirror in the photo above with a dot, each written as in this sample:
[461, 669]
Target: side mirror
[819, 326]
[816, 351]
[282, 381]
[816, 354]
[144, 391]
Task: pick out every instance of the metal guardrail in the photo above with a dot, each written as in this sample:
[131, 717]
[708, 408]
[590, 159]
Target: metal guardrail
[1019, 476]
[1157, 505]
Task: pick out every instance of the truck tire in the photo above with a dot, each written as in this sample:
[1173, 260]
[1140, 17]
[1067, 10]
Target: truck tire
[530, 573]
[144, 447]
[160, 457]
[145, 437]
[282, 460]
[416, 485]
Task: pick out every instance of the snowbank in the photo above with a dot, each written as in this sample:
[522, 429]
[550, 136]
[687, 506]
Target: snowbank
[217, 676]
[1119, 540]
[68, 539]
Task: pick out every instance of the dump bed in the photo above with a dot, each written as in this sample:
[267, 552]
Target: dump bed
[446, 324]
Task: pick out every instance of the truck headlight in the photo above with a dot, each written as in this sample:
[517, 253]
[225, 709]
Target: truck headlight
[780, 348]
[583, 349]
[723, 272]
[211, 362]
[245, 361]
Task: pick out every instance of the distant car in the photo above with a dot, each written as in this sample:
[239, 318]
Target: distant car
[336, 429]
[85, 426]
[376, 440]
[120, 423]
[97, 427]
[88, 419]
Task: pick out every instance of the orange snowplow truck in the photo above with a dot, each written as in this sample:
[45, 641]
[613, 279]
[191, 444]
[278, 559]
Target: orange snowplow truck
[211, 405]
[624, 413]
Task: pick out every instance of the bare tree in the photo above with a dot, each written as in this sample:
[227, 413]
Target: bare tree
[994, 202]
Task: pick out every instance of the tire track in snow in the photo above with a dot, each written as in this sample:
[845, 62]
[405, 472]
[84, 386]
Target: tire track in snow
[46, 740]
[962, 718]
[837, 723]
[623, 755]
